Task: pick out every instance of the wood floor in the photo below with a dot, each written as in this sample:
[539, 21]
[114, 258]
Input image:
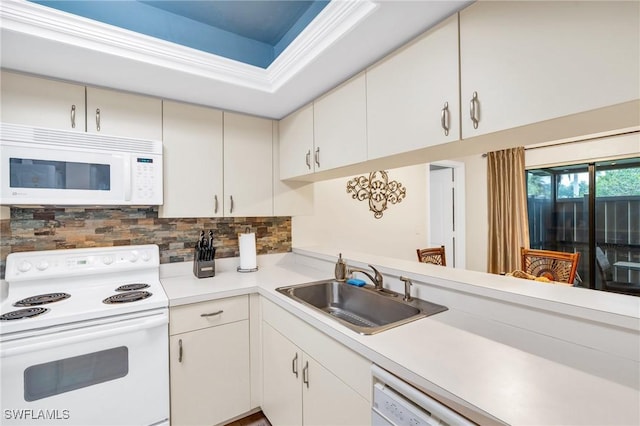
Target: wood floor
[257, 419]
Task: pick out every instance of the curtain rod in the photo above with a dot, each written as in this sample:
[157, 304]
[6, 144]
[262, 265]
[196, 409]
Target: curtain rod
[575, 141]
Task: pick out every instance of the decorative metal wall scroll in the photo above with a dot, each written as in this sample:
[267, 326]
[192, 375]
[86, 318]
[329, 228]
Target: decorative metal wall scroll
[378, 190]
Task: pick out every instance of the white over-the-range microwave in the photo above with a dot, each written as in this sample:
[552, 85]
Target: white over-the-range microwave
[41, 166]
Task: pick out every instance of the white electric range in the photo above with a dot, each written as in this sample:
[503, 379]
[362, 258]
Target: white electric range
[84, 338]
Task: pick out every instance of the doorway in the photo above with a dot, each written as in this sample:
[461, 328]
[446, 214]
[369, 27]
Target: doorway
[446, 210]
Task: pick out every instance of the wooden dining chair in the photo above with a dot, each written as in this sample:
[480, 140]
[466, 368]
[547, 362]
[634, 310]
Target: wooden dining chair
[433, 255]
[555, 265]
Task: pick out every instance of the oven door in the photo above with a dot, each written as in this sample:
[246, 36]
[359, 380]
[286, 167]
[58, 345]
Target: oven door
[114, 373]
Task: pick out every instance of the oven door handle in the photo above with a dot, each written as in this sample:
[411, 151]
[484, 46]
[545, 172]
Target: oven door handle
[54, 341]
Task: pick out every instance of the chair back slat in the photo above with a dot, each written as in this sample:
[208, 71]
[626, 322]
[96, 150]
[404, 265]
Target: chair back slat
[433, 255]
[555, 265]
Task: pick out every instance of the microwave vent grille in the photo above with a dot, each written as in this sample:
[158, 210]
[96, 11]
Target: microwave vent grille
[66, 139]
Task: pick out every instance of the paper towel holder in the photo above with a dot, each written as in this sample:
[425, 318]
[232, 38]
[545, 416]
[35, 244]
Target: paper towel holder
[247, 230]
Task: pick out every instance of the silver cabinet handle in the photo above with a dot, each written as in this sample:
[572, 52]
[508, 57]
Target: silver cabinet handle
[444, 119]
[231, 206]
[98, 119]
[73, 116]
[474, 110]
[180, 350]
[215, 204]
[317, 157]
[294, 365]
[305, 374]
[212, 314]
[308, 159]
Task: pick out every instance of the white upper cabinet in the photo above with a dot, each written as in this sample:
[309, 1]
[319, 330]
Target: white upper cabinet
[340, 126]
[192, 161]
[40, 102]
[532, 61]
[296, 143]
[330, 133]
[248, 171]
[123, 114]
[412, 96]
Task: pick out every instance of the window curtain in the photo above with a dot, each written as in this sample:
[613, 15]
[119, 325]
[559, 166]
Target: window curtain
[508, 221]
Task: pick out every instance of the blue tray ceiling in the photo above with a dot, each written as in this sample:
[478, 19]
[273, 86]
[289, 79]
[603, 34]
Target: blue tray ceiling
[250, 31]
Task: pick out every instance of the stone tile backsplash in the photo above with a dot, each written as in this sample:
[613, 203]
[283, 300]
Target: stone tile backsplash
[31, 229]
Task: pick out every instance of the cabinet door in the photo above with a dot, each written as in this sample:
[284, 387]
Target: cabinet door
[410, 93]
[123, 114]
[340, 126]
[329, 401]
[533, 61]
[192, 142]
[210, 382]
[248, 187]
[40, 102]
[296, 143]
[282, 376]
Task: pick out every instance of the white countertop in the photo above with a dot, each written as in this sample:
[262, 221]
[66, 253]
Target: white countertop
[481, 377]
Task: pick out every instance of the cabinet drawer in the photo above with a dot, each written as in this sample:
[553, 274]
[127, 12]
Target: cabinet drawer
[208, 314]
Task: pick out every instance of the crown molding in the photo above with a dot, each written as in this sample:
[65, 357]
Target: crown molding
[331, 24]
[335, 20]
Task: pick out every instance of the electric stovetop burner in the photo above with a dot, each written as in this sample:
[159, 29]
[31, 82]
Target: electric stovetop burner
[23, 313]
[126, 297]
[42, 299]
[132, 286]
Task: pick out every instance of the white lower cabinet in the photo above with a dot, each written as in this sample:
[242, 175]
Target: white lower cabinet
[323, 384]
[209, 361]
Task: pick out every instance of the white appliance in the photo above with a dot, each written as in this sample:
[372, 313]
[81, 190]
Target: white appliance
[42, 166]
[84, 338]
[396, 403]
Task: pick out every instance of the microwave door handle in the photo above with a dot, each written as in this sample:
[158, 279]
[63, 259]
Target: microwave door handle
[127, 178]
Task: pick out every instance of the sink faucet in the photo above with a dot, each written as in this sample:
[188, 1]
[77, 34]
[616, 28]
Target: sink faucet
[376, 279]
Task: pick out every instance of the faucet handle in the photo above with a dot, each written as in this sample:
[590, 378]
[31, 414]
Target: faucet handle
[407, 288]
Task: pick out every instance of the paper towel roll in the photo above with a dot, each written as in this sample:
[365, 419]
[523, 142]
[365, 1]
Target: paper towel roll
[248, 251]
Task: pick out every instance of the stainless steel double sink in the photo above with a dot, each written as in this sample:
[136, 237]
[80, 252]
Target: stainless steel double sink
[362, 309]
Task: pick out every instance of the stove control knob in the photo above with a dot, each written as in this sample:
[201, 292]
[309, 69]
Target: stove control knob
[145, 256]
[41, 266]
[134, 257]
[24, 266]
[107, 260]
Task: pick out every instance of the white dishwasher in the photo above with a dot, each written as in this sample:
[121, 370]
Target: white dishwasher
[396, 403]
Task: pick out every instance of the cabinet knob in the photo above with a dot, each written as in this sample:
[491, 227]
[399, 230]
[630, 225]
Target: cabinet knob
[444, 118]
[98, 119]
[474, 110]
[305, 374]
[294, 365]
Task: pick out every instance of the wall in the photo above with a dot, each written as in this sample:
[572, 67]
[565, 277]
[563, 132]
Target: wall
[62, 228]
[339, 221]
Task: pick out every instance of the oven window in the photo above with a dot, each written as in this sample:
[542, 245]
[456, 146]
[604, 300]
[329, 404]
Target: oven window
[64, 375]
[27, 173]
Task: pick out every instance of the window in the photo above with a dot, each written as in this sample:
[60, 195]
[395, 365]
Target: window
[593, 209]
